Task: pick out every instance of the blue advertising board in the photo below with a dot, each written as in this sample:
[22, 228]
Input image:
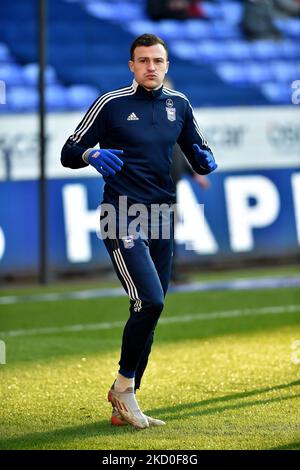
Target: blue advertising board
[247, 214]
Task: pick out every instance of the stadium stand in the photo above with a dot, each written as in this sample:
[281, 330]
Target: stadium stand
[88, 44]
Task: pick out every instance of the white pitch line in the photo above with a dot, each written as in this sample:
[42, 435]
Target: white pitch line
[275, 310]
[234, 284]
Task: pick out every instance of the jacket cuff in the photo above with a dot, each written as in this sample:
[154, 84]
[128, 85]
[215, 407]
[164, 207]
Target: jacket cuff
[85, 156]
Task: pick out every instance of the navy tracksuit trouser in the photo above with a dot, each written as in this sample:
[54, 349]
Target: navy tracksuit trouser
[143, 266]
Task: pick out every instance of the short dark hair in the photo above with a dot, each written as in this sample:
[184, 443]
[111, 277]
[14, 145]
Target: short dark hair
[147, 40]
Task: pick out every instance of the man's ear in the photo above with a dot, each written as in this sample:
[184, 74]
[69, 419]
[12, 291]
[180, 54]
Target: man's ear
[130, 65]
[168, 63]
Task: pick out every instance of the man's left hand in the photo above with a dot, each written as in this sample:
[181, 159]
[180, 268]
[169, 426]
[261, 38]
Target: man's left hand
[205, 159]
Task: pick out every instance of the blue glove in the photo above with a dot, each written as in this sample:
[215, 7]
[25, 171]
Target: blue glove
[204, 159]
[105, 161]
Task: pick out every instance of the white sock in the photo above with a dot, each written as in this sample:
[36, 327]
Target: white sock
[122, 383]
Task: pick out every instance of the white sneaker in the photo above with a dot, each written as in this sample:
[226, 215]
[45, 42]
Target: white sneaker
[128, 407]
[117, 419]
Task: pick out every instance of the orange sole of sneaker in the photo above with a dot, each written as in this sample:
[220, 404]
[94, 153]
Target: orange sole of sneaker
[118, 422]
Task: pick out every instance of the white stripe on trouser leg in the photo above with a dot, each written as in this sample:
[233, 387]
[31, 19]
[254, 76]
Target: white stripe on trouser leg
[123, 272]
[137, 305]
[129, 283]
[138, 302]
[132, 291]
[127, 278]
[123, 275]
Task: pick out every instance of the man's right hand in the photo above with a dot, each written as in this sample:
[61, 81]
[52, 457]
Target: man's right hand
[106, 161]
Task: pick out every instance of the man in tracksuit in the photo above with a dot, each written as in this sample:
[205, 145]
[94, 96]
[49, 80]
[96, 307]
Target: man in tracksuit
[136, 128]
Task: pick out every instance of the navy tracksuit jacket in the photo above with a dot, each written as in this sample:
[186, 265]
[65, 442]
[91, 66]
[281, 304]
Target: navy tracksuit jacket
[145, 125]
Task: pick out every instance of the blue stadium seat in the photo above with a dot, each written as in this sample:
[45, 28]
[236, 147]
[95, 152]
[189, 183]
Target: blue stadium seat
[277, 93]
[223, 30]
[56, 98]
[233, 72]
[237, 50]
[267, 49]
[138, 27]
[232, 11]
[31, 74]
[184, 49]
[290, 27]
[192, 29]
[22, 98]
[120, 11]
[170, 29]
[247, 72]
[289, 49]
[11, 74]
[264, 50]
[258, 73]
[81, 96]
[227, 11]
[209, 51]
[212, 10]
[285, 71]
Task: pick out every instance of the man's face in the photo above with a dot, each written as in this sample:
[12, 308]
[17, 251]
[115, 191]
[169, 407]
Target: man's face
[149, 65]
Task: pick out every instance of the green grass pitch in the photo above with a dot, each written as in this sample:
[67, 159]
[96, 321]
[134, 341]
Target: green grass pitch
[228, 381]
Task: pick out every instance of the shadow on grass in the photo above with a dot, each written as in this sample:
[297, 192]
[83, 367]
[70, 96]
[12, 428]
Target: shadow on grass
[63, 436]
[103, 428]
[289, 446]
[196, 408]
